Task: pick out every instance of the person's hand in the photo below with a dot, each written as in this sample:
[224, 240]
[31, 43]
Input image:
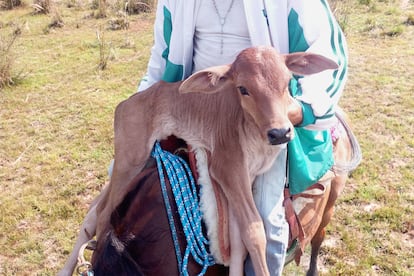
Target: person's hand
[295, 112]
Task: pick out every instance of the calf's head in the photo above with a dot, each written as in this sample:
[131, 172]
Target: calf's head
[261, 77]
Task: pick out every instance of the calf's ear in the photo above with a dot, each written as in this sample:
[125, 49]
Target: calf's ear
[302, 63]
[210, 80]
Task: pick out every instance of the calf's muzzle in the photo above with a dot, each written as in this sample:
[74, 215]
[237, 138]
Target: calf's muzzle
[277, 136]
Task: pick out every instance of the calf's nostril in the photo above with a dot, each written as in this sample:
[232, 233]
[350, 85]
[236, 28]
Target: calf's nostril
[278, 136]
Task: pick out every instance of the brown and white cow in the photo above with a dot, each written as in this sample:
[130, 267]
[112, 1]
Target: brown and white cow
[239, 113]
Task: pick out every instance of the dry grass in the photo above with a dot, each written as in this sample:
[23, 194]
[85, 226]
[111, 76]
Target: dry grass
[56, 136]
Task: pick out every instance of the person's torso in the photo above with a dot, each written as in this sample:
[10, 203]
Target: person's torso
[221, 32]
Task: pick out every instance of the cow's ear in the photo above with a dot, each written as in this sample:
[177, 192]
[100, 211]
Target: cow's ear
[209, 80]
[302, 63]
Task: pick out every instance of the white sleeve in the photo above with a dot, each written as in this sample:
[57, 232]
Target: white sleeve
[156, 64]
[319, 93]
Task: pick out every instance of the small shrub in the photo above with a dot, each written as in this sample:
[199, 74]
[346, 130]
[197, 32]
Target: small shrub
[95, 4]
[57, 21]
[101, 9]
[392, 11]
[72, 3]
[7, 58]
[410, 20]
[341, 13]
[41, 6]
[120, 22]
[103, 50]
[138, 6]
[365, 2]
[396, 31]
[371, 25]
[376, 7]
[9, 4]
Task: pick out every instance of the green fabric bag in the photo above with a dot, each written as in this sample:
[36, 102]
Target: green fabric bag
[310, 157]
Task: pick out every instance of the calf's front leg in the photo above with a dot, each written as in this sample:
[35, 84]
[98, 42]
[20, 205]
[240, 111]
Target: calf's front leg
[238, 250]
[233, 179]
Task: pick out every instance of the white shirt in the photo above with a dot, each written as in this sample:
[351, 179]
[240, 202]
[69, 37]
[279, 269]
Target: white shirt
[287, 25]
[210, 39]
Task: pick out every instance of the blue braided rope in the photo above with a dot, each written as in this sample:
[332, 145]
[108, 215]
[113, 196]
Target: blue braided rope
[168, 208]
[190, 202]
[185, 194]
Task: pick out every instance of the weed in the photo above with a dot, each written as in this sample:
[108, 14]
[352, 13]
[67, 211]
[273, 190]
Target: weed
[373, 8]
[104, 49]
[341, 11]
[365, 2]
[7, 59]
[395, 31]
[138, 6]
[409, 20]
[10, 4]
[72, 3]
[94, 4]
[41, 6]
[102, 7]
[371, 25]
[120, 22]
[57, 21]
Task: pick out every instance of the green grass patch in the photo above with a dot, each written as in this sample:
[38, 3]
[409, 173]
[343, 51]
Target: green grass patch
[56, 135]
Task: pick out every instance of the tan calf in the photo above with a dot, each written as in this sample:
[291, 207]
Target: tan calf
[237, 112]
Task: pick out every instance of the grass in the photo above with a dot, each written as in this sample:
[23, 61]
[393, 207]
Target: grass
[56, 136]
[56, 132]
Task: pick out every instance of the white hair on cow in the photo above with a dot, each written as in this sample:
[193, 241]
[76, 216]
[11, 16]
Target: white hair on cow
[208, 203]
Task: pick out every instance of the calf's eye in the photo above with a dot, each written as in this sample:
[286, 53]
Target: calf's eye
[243, 90]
